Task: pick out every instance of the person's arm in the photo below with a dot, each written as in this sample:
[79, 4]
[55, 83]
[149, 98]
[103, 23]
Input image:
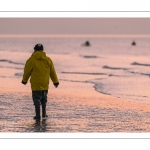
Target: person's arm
[27, 71]
[53, 75]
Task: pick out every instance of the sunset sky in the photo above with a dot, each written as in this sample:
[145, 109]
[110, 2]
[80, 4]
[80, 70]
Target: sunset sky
[74, 25]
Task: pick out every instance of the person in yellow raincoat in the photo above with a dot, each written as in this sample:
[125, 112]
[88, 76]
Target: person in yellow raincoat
[39, 68]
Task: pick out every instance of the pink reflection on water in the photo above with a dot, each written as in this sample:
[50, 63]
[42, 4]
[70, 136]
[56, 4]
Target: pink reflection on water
[73, 107]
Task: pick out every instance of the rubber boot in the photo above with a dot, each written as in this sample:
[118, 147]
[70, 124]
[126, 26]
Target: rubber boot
[37, 112]
[44, 111]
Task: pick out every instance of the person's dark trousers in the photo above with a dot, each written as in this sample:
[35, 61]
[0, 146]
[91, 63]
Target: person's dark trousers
[37, 112]
[40, 98]
[44, 111]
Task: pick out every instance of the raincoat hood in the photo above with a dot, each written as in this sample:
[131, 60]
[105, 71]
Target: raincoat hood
[40, 55]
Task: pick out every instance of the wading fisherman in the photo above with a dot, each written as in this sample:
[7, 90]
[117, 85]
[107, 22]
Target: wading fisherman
[40, 69]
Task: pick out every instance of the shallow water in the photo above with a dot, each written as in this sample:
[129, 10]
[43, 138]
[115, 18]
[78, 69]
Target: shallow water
[68, 114]
[121, 68]
[110, 65]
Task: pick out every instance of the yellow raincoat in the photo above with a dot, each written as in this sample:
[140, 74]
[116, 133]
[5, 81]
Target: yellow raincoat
[41, 69]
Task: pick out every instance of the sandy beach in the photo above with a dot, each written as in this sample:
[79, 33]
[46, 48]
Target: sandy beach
[73, 107]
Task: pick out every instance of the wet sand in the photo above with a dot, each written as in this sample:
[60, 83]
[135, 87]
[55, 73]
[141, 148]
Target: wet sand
[72, 107]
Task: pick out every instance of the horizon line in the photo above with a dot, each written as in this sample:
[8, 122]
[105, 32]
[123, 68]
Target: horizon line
[74, 35]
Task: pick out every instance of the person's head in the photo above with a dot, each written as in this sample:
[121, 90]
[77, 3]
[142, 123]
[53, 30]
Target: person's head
[38, 47]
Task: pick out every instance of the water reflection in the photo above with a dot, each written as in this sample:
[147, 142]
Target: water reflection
[82, 112]
[40, 125]
[44, 125]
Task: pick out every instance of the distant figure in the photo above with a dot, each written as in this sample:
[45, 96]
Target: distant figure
[87, 43]
[133, 43]
[40, 68]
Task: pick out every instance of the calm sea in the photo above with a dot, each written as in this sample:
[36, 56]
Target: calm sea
[112, 64]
